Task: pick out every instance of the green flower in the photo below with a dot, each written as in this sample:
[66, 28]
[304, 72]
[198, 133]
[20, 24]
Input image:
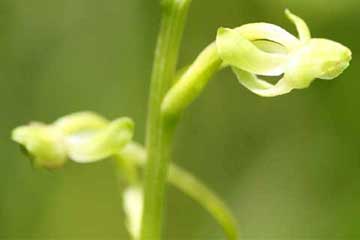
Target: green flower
[82, 137]
[268, 50]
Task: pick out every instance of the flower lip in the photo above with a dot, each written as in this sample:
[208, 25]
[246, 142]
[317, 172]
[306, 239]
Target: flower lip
[335, 70]
[338, 60]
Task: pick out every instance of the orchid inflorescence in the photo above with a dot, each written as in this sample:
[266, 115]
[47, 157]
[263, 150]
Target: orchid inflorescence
[252, 50]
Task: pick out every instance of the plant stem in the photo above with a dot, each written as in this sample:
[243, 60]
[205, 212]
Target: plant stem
[159, 134]
[191, 83]
[191, 186]
[198, 191]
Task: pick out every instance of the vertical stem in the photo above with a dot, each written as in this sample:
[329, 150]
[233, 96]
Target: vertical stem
[159, 135]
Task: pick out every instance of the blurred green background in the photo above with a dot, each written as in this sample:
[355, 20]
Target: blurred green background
[289, 167]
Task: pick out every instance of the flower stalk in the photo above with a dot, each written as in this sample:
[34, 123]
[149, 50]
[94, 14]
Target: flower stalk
[159, 132]
[191, 83]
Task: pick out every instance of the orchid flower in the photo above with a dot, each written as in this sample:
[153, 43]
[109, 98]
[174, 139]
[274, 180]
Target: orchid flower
[268, 50]
[81, 137]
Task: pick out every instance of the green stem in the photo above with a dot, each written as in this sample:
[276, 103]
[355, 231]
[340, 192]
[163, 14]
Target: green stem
[191, 186]
[191, 83]
[206, 198]
[159, 134]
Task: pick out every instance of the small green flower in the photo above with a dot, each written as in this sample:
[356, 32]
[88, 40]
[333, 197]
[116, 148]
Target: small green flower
[268, 50]
[82, 137]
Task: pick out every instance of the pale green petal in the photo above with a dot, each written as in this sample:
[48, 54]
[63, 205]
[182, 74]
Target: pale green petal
[237, 51]
[133, 207]
[44, 144]
[96, 145]
[261, 87]
[332, 57]
[301, 26]
[250, 80]
[318, 58]
[267, 31]
[81, 121]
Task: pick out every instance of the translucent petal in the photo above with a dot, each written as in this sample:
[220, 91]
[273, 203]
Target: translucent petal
[93, 146]
[301, 26]
[237, 51]
[261, 87]
[267, 31]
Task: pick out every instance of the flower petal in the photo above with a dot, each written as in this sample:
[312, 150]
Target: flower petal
[237, 51]
[301, 26]
[94, 146]
[261, 87]
[267, 31]
[80, 121]
[318, 58]
[44, 144]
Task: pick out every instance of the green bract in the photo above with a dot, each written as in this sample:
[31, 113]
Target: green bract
[268, 50]
[82, 137]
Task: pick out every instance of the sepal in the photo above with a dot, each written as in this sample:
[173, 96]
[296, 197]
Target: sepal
[300, 24]
[43, 144]
[235, 50]
[91, 146]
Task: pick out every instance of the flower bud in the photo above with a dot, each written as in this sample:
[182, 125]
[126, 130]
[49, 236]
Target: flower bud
[133, 206]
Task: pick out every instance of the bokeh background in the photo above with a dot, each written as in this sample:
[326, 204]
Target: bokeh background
[289, 167]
